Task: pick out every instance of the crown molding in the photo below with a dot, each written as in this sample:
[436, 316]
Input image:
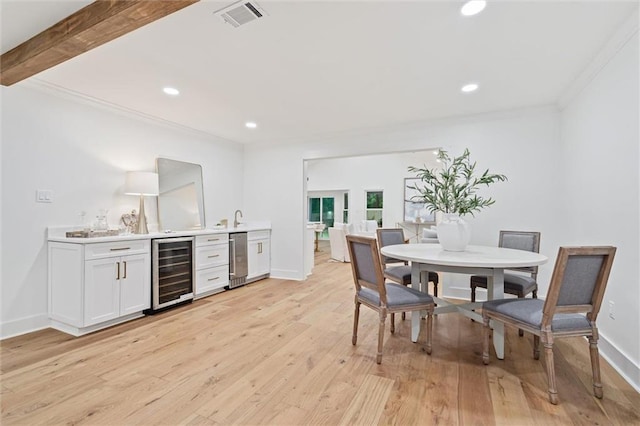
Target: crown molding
[64, 93]
[620, 38]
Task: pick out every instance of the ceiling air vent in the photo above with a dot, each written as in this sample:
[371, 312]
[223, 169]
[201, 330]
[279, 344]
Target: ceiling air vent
[241, 12]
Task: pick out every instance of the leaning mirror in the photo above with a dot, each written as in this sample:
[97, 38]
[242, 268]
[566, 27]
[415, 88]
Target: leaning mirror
[181, 199]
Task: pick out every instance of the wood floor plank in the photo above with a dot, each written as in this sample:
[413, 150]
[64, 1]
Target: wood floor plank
[508, 400]
[368, 403]
[279, 352]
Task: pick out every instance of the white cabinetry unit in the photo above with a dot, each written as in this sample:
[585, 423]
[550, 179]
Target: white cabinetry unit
[92, 286]
[259, 254]
[212, 264]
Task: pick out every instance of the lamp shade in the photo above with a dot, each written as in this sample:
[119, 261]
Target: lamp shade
[141, 183]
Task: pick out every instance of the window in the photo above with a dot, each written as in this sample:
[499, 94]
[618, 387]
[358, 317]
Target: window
[345, 210]
[321, 210]
[314, 209]
[374, 206]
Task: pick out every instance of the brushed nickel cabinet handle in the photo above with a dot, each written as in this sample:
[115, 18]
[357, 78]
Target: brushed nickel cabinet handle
[213, 279]
[214, 255]
[213, 239]
[125, 270]
[118, 268]
[120, 248]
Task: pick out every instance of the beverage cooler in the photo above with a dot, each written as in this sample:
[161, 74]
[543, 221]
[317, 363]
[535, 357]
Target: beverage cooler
[172, 273]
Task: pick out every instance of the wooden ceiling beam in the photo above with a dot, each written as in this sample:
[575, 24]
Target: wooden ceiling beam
[91, 26]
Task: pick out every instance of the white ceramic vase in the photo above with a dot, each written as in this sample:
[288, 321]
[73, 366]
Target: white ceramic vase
[453, 232]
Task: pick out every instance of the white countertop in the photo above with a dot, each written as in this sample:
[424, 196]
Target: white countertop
[57, 234]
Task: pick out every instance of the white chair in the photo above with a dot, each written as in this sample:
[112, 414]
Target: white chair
[369, 225]
[429, 236]
[338, 244]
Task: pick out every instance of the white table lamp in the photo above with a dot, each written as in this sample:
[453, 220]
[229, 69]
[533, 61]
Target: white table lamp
[141, 183]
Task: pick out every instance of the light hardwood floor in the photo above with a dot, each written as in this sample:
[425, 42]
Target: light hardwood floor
[279, 352]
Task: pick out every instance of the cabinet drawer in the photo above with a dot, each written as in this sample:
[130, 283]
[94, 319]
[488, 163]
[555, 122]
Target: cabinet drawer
[113, 249]
[212, 239]
[208, 256]
[258, 235]
[212, 278]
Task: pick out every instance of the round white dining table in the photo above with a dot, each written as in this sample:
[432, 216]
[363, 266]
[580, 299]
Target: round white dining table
[474, 260]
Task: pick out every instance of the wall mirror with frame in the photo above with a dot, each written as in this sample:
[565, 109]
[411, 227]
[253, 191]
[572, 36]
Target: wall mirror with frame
[181, 197]
[415, 210]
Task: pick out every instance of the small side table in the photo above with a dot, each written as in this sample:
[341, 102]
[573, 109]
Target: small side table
[319, 228]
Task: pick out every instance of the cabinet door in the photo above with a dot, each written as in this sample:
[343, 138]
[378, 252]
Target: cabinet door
[135, 283]
[101, 290]
[259, 257]
[264, 259]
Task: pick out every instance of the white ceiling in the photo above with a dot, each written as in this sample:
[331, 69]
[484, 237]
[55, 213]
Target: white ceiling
[315, 68]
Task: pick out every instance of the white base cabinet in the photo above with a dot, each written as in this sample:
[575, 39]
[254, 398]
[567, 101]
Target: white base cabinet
[259, 254]
[212, 264]
[92, 286]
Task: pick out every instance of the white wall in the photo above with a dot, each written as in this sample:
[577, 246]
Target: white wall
[600, 140]
[81, 152]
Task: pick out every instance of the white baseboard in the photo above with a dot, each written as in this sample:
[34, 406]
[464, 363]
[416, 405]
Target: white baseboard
[24, 326]
[620, 362]
[287, 274]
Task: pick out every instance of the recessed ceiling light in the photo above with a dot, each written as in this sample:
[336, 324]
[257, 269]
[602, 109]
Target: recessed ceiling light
[471, 87]
[171, 91]
[473, 7]
[250, 125]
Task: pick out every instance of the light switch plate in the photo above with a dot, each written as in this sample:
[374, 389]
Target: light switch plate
[44, 196]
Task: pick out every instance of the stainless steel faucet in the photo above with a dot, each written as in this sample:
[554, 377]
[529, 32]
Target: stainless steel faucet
[235, 218]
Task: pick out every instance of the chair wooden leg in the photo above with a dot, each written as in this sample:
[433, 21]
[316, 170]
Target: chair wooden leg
[403, 316]
[435, 289]
[473, 298]
[485, 340]
[536, 346]
[520, 332]
[393, 323]
[595, 365]
[356, 316]
[383, 317]
[429, 330]
[547, 341]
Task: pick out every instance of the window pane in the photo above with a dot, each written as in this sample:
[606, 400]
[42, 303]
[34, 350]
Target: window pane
[314, 209]
[374, 200]
[327, 212]
[375, 215]
[345, 216]
[346, 201]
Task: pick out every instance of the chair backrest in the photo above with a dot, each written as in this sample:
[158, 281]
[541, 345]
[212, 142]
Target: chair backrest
[521, 240]
[388, 237]
[369, 225]
[366, 266]
[578, 282]
[337, 244]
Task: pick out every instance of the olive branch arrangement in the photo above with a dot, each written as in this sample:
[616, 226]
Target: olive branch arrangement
[453, 189]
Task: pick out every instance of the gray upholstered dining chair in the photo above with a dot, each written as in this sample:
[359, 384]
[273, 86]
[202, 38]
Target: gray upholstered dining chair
[385, 298]
[571, 308]
[394, 269]
[517, 284]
